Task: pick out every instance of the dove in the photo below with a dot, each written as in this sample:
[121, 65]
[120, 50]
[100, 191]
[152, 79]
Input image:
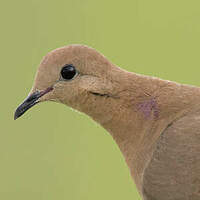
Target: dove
[155, 122]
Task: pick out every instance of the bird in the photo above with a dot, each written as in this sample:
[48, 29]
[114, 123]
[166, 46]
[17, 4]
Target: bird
[155, 122]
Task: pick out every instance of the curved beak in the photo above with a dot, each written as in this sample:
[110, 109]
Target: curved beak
[30, 101]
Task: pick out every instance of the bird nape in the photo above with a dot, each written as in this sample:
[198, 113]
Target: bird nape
[156, 123]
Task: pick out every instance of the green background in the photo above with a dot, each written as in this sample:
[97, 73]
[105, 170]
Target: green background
[54, 153]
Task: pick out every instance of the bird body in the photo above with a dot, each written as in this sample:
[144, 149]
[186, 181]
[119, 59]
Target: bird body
[174, 169]
[154, 122]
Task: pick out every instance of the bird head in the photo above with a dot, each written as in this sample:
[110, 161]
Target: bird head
[77, 76]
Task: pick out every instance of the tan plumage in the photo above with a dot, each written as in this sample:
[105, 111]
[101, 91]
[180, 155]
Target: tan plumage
[156, 123]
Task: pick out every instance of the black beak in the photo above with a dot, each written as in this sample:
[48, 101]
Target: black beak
[30, 101]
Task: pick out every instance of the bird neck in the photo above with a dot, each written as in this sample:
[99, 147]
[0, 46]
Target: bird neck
[145, 109]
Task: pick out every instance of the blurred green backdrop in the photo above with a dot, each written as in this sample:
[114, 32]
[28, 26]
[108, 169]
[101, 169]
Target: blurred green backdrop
[54, 153]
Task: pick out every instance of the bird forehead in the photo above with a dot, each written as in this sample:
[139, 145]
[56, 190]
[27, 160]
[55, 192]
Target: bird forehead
[85, 59]
[71, 52]
[57, 57]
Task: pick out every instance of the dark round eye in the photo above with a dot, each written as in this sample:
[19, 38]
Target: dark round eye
[68, 72]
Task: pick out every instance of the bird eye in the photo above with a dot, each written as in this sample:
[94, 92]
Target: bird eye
[68, 72]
